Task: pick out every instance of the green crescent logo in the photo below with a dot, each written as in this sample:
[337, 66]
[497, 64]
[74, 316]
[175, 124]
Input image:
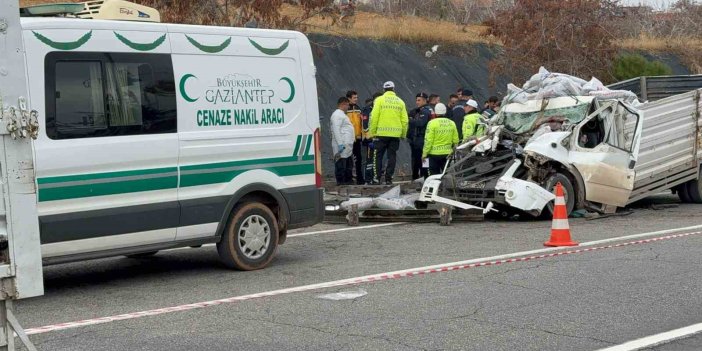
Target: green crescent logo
[140, 46]
[182, 87]
[292, 90]
[269, 51]
[69, 45]
[210, 49]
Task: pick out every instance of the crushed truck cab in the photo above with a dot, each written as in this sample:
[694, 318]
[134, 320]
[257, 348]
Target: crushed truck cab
[589, 145]
[524, 195]
[605, 147]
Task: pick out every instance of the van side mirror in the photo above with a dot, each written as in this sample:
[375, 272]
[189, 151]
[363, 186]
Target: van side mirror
[632, 164]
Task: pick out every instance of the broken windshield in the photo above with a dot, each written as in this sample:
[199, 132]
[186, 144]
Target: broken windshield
[524, 122]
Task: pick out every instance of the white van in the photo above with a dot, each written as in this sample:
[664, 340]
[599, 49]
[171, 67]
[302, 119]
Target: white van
[155, 136]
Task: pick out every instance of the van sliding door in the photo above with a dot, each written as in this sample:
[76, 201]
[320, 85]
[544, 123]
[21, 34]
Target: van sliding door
[107, 154]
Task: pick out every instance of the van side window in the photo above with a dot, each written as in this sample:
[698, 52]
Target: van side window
[109, 94]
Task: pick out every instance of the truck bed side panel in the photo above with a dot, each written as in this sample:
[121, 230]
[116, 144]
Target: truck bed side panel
[669, 141]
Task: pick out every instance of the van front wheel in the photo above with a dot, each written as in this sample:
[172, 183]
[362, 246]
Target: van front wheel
[251, 238]
[568, 192]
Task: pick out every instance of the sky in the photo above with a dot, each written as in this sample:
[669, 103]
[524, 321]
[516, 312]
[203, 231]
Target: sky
[657, 4]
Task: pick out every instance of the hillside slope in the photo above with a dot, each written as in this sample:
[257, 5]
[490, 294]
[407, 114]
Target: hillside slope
[363, 65]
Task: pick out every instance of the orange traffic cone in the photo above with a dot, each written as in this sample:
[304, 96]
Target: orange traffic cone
[560, 230]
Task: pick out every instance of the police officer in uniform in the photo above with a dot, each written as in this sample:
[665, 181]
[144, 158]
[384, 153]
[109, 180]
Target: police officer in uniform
[440, 139]
[388, 124]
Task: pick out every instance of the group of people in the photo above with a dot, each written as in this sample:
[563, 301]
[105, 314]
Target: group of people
[363, 137]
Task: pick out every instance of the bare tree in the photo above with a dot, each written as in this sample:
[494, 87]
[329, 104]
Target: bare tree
[566, 36]
[265, 13]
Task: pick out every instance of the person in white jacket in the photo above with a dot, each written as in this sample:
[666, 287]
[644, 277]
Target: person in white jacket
[342, 143]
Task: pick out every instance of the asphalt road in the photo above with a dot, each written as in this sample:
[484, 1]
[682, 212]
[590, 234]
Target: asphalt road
[577, 301]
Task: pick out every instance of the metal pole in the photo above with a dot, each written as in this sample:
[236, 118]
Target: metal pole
[10, 326]
[16, 328]
[8, 338]
[644, 89]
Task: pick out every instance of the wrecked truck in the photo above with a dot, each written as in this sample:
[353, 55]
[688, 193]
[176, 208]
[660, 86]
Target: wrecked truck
[607, 153]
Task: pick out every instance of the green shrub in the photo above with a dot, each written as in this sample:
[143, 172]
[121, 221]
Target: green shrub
[629, 66]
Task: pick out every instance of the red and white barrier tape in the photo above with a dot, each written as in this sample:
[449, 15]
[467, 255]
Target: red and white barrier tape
[345, 282]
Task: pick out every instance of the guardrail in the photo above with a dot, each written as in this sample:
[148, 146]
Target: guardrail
[659, 87]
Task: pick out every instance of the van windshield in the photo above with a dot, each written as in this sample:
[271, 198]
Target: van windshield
[524, 122]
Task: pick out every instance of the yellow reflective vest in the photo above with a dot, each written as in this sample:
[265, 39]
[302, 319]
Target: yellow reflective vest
[471, 128]
[354, 114]
[389, 117]
[440, 138]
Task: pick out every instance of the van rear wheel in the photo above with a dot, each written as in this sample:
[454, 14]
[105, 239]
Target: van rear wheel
[251, 238]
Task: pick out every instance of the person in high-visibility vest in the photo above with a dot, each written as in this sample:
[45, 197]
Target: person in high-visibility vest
[440, 139]
[388, 124]
[354, 114]
[472, 128]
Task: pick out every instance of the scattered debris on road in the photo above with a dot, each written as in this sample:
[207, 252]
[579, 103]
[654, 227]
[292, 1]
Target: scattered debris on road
[344, 295]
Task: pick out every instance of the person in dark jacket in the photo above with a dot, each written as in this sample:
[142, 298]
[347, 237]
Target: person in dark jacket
[451, 103]
[491, 107]
[419, 117]
[433, 100]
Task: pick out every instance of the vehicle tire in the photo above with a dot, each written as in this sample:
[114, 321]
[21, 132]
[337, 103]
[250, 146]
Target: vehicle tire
[143, 254]
[250, 240]
[568, 191]
[683, 193]
[694, 191]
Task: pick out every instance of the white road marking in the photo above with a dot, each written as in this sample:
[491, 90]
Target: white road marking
[522, 256]
[643, 235]
[658, 339]
[344, 229]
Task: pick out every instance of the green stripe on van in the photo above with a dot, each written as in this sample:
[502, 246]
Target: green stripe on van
[109, 188]
[93, 176]
[113, 183]
[309, 144]
[225, 176]
[252, 163]
[297, 145]
[224, 172]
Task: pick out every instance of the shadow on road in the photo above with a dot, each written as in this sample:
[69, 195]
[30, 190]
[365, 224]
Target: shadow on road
[163, 267]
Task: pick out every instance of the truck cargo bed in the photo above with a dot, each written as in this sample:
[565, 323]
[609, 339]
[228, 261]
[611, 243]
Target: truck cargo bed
[669, 153]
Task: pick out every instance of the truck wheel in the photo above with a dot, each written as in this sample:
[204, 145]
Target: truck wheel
[568, 191]
[683, 194]
[694, 191]
[143, 254]
[250, 239]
